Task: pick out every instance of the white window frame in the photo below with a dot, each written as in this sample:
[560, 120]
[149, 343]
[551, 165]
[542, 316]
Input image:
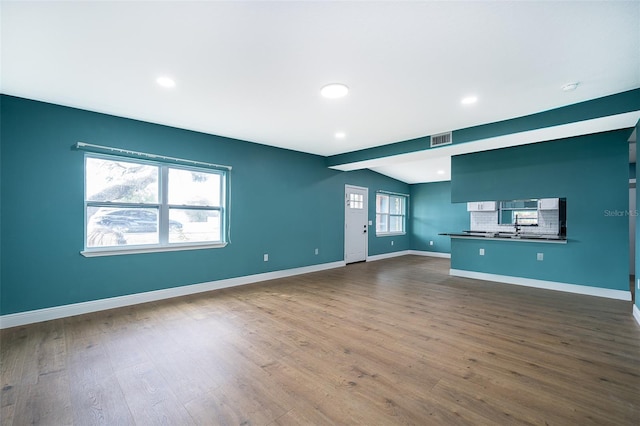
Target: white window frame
[387, 215]
[163, 211]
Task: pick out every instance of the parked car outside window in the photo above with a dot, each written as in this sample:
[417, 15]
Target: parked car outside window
[130, 220]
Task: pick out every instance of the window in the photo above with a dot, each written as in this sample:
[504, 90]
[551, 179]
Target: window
[390, 214]
[355, 201]
[132, 204]
[519, 212]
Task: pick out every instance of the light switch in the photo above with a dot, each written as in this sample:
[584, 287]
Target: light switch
[540, 256]
[481, 252]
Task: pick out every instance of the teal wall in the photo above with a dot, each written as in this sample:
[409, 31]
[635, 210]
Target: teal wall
[433, 213]
[284, 203]
[287, 203]
[591, 171]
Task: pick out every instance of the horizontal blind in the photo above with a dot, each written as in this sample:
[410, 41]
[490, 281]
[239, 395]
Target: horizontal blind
[98, 149]
[392, 193]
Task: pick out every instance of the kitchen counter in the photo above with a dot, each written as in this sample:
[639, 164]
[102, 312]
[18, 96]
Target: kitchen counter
[505, 236]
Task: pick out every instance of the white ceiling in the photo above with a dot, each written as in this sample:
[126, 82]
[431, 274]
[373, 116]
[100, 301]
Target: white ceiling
[253, 70]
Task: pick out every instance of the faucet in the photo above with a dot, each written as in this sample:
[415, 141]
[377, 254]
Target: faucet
[517, 226]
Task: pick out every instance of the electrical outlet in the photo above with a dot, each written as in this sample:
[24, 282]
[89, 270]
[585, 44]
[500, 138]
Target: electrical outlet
[266, 257]
[391, 242]
[481, 252]
[638, 283]
[316, 251]
[540, 256]
[430, 243]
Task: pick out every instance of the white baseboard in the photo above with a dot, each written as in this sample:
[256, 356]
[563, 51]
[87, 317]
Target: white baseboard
[430, 253]
[548, 285]
[387, 255]
[46, 314]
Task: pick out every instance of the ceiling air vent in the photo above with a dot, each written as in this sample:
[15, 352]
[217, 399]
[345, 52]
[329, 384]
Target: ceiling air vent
[441, 139]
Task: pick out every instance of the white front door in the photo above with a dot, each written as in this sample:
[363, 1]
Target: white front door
[355, 223]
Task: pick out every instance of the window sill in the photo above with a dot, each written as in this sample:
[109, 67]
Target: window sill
[139, 250]
[389, 234]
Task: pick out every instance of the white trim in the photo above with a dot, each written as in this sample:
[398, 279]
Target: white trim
[389, 234]
[387, 255]
[548, 285]
[636, 313]
[154, 249]
[46, 314]
[430, 253]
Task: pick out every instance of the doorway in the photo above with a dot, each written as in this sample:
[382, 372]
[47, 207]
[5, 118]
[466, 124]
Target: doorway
[356, 216]
[632, 237]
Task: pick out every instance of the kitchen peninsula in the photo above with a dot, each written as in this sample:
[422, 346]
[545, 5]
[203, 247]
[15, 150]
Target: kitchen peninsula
[532, 220]
[590, 171]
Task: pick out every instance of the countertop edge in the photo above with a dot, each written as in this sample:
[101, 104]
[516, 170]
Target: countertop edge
[511, 240]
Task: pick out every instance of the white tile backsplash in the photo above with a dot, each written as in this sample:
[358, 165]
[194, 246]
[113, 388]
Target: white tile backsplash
[488, 222]
[485, 221]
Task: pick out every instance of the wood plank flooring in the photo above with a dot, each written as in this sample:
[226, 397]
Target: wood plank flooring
[396, 341]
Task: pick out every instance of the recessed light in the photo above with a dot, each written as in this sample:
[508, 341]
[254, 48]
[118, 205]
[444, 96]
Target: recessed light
[440, 172]
[334, 90]
[340, 135]
[469, 100]
[167, 82]
[570, 87]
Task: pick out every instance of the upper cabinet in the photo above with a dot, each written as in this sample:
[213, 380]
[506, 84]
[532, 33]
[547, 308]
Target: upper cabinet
[548, 204]
[481, 206]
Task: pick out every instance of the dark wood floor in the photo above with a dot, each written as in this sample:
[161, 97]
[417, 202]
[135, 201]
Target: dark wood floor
[395, 341]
